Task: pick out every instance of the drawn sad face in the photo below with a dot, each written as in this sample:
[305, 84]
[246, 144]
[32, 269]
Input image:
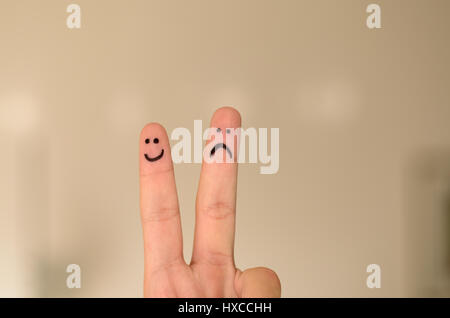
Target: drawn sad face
[153, 143]
[221, 145]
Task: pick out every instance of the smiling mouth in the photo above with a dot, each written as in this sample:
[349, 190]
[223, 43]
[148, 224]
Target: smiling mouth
[155, 158]
[218, 146]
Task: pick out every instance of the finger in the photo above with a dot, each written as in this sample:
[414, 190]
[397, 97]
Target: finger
[158, 199]
[216, 197]
[259, 282]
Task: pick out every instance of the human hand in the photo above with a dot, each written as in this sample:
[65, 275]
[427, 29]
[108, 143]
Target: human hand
[212, 272]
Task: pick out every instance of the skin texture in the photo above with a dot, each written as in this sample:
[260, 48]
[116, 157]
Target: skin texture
[212, 271]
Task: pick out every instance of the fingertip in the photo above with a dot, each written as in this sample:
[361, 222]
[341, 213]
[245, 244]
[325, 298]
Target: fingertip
[227, 117]
[153, 127]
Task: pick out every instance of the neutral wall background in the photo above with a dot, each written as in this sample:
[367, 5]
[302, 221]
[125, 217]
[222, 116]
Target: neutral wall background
[364, 118]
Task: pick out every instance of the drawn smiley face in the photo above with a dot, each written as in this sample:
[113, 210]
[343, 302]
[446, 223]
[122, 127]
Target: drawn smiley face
[221, 145]
[150, 159]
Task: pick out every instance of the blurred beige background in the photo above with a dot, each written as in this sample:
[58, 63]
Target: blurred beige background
[364, 118]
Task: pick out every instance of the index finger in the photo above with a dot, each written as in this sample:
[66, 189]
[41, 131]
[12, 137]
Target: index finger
[158, 199]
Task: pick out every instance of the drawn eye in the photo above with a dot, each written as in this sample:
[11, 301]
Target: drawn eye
[228, 131]
[156, 140]
[219, 130]
[147, 141]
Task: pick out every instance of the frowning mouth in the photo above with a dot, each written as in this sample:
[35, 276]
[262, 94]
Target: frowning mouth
[155, 158]
[218, 146]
